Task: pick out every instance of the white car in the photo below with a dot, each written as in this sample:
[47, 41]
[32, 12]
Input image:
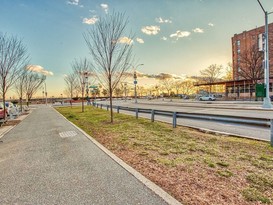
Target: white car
[12, 109]
[207, 98]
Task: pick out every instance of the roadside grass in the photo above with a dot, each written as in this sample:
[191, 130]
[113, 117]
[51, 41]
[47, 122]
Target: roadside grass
[194, 167]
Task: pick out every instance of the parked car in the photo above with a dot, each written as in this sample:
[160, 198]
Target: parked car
[271, 97]
[207, 98]
[2, 114]
[11, 109]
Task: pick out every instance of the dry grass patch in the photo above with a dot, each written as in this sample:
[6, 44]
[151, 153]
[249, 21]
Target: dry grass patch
[194, 167]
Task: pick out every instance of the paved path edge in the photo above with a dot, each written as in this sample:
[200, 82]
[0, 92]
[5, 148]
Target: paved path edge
[9, 128]
[152, 186]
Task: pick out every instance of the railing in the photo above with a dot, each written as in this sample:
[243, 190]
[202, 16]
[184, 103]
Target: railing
[263, 122]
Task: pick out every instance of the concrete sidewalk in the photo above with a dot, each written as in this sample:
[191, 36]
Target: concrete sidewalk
[47, 160]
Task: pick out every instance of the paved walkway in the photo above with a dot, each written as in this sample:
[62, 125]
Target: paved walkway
[46, 160]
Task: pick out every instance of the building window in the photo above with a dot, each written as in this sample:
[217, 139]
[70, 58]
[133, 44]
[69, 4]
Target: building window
[238, 51]
[238, 43]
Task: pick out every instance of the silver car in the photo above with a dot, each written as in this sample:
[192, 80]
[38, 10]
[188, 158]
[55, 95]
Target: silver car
[207, 98]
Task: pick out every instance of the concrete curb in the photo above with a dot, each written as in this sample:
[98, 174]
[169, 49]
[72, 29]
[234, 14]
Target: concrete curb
[152, 186]
[4, 131]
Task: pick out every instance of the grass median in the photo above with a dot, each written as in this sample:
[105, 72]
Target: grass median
[194, 167]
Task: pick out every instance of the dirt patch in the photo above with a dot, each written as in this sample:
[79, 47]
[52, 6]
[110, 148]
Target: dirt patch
[11, 122]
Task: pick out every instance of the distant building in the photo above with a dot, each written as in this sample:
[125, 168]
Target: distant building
[241, 86]
[244, 42]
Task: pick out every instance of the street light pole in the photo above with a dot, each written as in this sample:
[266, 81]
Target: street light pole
[266, 101]
[84, 75]
[135, 83]
[135, 80]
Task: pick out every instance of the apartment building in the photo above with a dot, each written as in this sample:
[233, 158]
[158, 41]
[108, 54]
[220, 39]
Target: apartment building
[246, 42]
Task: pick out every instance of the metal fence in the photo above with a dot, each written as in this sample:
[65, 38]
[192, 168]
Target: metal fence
[262, 122]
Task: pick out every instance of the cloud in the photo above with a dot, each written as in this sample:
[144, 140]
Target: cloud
[90, 21]
[198, 30]
[164, 38]
[161, 76]
[161, 20]
[139, 40]
[74, 2]
[105, 7]
[180, 34]
[39, 69]
[211, 24]
[125, 40]
[150, 30]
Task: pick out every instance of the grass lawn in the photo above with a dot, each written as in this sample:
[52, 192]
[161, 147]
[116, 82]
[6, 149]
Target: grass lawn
[194, 167]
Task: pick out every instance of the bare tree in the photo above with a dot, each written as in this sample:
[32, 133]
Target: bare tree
[177, 86]
[118, 91]
[71, 84]
[211, 74]
[13, 56]
[32, 82]
[187, 87]
[250, 66]
[19, 86]
[82, 70]
[104, 92]
[167, 83]
[229, 72]
[111, 50]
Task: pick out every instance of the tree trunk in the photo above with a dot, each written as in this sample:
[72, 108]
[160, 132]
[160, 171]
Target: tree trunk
[111, 103]
[82, 99]
[4, 103]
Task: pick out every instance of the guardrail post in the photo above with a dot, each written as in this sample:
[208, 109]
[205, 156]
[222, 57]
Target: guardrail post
[97, 105]
[153, 116]
[271, 132]
[100, 106]
[107, 107]
[136, 113]
[174, 119]
[118, 109]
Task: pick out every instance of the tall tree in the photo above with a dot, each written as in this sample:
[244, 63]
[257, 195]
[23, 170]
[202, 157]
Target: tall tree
[211, 74]
[111, 50]
[13, 57]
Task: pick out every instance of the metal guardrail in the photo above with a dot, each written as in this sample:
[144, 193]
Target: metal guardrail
[262, 122]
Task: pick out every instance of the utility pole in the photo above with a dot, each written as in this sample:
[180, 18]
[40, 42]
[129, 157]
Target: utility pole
[266, 101]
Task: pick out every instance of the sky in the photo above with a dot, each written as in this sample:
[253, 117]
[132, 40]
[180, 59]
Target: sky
[179, 37]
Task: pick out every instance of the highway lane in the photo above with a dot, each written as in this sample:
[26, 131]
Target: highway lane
[247, 131]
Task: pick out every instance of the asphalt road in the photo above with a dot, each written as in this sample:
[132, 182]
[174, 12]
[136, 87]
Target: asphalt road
[46, 160]
[249, 109]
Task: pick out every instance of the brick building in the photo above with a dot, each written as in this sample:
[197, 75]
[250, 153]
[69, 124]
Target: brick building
[241, 86]
[244, 42]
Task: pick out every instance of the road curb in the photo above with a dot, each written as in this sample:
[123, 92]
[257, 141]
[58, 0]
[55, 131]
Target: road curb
[148, 183]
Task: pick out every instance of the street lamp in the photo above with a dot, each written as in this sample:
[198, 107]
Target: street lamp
[267, 101]
[84, 82]
[135, 79]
